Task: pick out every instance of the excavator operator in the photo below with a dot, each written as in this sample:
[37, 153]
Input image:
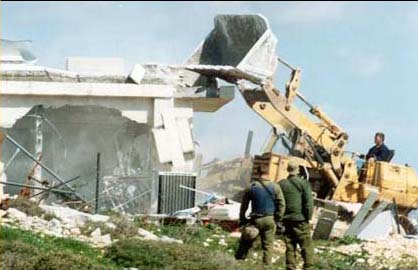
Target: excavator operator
[379, 152]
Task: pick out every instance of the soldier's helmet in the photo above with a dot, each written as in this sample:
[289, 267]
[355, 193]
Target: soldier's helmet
[293, 168]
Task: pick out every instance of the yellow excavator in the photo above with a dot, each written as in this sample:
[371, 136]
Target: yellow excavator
[319, 148]
[241, 50]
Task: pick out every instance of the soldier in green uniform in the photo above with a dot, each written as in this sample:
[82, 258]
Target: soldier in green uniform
[299, 208]
[267, 207]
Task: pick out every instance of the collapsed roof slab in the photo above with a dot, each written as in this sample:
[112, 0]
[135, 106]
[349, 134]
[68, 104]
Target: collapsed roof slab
[134, 101]
[18, 97]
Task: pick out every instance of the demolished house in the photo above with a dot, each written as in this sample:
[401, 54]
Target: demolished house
[98, 132]
[57, 121]
[141, 123]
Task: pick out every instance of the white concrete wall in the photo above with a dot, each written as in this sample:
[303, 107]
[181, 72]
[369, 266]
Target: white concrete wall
[153, 105]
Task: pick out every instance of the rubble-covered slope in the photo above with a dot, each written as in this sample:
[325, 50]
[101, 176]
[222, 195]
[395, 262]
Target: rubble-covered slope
[56, 237]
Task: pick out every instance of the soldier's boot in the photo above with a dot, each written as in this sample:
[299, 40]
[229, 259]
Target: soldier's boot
[243, 248]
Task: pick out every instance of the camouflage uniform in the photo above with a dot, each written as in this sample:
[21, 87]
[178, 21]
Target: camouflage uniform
[268, 206]
[299, 208]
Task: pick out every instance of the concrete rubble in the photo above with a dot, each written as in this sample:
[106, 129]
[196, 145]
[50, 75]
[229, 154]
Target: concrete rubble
[225, 211]
[384, 253]
[68, 222]
[380, 228]
[72, 216]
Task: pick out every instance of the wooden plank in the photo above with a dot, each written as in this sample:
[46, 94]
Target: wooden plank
[354, 228]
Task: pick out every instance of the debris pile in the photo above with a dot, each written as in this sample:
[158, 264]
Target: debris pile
[383, 254]
[62, 221]
[227, 177]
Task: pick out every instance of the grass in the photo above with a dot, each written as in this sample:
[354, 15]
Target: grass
[24, 250]
[348, 240]
[124, 228]
[150, 255]
[30, 251]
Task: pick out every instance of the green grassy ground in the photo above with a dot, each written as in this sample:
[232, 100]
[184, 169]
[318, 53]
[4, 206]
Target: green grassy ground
[203, 249]
[21, 249]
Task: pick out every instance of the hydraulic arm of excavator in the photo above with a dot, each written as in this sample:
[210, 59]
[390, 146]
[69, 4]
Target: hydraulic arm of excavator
[241, 50]
[321, 143]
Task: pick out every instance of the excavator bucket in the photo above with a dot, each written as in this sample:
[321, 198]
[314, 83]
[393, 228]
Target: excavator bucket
[242, 43]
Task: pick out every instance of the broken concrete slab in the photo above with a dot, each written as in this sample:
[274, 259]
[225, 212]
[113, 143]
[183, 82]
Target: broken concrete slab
[105, 240]
[100, 240]
[227, 73]
[354, 228]
[379, 228]
[73, 216]
[16, 214]
[96, 233]
[225, 211]
[147, 235]
[137, 74]
[380, 208]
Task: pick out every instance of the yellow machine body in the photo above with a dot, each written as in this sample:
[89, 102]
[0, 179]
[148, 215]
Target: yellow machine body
[392, 181]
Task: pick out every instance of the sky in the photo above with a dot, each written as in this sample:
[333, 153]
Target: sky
[359, 60]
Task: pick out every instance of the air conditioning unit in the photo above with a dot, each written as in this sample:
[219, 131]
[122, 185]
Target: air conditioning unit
[172, 192]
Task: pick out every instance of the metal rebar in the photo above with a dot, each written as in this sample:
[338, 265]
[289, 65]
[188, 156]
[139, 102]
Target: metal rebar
[196, 190]
[249, 142]
[54, 187]
[134, 198]
[26, 152]
[11, 159]
[96, 209]
[34, 187]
